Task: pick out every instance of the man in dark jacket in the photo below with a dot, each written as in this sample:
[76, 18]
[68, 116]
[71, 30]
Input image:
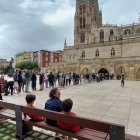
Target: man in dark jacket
[54, 104]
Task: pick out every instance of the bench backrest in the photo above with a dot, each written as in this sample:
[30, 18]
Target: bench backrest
[114, 130]
[6, 105]
[83, 122]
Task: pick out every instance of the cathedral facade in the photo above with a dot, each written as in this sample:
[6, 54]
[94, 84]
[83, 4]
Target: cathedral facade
[101, 48]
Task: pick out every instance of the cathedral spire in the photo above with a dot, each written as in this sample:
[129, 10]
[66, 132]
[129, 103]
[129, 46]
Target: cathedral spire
[65, 43]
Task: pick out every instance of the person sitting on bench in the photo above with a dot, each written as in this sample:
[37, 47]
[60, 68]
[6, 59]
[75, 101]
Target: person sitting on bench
[30, 98]
[67, 106]
[53, 104]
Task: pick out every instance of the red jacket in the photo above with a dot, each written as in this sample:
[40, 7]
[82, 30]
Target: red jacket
[68, 126]
[37, 118]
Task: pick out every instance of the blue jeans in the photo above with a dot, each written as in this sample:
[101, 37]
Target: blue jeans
[46, 83]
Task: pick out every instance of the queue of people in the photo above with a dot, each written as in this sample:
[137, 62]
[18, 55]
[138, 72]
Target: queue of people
[22, 80]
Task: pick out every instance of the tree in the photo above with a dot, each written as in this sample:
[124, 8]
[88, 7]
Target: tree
[27, 65]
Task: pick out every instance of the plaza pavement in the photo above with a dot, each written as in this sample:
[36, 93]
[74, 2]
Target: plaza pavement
[105, 101]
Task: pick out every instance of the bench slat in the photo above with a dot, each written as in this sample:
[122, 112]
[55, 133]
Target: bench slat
[7, 105]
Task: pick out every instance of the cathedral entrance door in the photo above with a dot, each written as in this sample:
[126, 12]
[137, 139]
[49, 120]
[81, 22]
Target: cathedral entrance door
[104, 73]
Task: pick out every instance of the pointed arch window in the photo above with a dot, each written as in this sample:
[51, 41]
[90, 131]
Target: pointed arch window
[82, 38]
[112, 52]
[82, 9]
[127, 32]
[97, 53]
[101, 36]
[111, 32]
[83, 54]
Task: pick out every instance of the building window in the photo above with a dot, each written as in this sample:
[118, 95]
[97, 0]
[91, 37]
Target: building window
[111, 32]
[82, 38]
[83, 54]
[127, 32]
[97, 53]
[82, 23]
[82, 9]
[112, 52]
[101, 36]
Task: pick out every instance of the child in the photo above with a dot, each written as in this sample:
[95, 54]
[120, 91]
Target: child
[67, 106]
[30, 98]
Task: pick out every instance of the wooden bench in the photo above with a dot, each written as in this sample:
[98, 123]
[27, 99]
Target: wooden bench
[91, 129]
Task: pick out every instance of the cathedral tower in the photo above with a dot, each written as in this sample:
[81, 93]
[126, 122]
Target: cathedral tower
[87, 16]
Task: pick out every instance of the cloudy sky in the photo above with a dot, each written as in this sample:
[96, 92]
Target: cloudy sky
[43, 24]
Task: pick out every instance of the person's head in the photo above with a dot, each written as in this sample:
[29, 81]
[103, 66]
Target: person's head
[54, 93]
[30, 98]
[17, 71]
[20, 72]
[67, 105]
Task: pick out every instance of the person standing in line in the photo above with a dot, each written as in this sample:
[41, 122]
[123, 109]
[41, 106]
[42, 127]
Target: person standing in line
[15, 77]
[67, 79]
[70, 78]
[9, 86]
[51, 80]
[19, 81]
[41, 81]
[46, 79]
[23, 80]
[55, 79]
[33, 79]
[28, 76]
[2, 81]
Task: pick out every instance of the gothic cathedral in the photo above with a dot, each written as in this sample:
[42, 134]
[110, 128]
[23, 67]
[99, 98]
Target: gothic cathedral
[100, 48]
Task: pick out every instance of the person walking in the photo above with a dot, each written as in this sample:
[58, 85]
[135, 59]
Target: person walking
[122, 81]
